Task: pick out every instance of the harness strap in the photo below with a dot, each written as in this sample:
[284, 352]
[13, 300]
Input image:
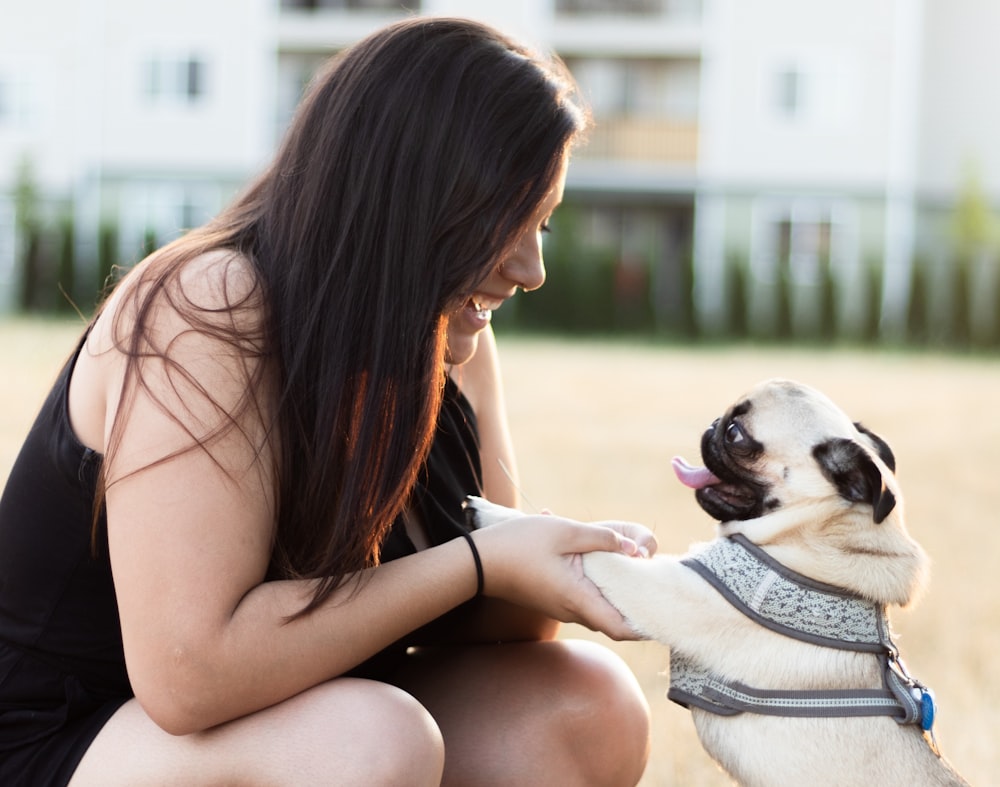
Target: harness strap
[843, 702]
[787, 602]
[693, 686]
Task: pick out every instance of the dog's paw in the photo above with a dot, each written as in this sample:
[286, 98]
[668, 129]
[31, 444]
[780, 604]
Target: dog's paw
[610, 571]
[613, 574]
[480, 512]
[607, 570]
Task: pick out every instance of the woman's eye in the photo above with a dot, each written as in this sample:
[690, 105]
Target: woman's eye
[545, 227]
[733, 433]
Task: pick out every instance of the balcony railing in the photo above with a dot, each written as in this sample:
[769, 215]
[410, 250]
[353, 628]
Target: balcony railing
[610, 6]
[640, 139]
[351, 5]
[641, 8]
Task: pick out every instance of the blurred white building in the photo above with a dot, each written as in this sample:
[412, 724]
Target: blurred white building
[806, 138]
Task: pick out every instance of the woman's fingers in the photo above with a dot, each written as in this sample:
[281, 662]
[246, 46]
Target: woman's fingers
[600, 537]
[640, 535]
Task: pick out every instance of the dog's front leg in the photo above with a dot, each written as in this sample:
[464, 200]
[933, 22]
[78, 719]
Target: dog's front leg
[661, 599]
[481, 513]
[658, 597]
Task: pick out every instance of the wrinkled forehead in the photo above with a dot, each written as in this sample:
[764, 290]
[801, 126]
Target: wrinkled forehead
[783, 405]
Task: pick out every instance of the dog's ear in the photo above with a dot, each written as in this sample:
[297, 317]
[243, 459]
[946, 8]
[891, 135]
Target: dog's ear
[880, 445]
[854, 473]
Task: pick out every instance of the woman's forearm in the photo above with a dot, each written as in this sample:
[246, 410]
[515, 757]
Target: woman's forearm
[263, 654]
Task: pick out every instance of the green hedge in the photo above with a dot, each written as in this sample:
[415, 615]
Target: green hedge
[590, 292]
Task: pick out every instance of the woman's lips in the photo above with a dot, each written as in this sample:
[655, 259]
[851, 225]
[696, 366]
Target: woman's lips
[481, 311]
[482, 308]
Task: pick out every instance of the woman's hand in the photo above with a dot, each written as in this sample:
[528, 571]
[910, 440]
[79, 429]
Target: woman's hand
[640, 535]
[537, 561]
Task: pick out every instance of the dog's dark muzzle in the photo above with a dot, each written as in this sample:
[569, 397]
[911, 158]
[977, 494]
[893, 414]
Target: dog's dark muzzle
[726, 450]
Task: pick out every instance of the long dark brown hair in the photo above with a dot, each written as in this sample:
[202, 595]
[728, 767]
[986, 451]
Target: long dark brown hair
[414, 163]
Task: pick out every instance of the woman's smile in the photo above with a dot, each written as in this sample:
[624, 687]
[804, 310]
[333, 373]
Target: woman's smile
[482, 307]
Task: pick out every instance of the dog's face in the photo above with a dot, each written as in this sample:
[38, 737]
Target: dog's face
[784, 444]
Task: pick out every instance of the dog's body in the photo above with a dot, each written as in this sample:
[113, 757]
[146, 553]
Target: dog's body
[790, 473]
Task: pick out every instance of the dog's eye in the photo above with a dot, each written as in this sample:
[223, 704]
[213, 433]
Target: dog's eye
[733, 433]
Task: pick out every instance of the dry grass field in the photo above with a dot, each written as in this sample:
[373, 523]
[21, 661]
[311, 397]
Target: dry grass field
[596, 424]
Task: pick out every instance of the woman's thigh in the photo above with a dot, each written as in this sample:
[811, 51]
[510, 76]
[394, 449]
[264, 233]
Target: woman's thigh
[553, 712]
[345, 732]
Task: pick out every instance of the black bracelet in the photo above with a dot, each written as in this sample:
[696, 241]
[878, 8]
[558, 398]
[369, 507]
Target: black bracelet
[480, 581]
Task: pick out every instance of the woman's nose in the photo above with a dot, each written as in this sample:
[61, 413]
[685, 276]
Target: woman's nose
[525, 268]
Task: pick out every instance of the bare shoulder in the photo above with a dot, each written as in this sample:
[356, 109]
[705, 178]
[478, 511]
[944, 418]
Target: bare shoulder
[221, 282]
[191, 331]
[218, 288]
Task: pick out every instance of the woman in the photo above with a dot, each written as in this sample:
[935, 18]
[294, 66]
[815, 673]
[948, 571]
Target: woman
[274, 421]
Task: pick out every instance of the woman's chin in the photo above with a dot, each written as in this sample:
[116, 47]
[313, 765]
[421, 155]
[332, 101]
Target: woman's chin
[464, 328]
[461, 348]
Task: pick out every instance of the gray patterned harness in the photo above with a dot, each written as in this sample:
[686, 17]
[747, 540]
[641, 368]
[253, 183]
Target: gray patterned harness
[795, 605]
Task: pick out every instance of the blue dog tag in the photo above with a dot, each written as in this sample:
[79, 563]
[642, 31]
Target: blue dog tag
[928, 708]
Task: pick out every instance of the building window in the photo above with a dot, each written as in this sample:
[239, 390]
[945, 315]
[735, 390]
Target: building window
[161, 211]
[646, 108]
[788, 89]
[805, 262]
[295, 71]
[175, 80]
[801, 240]
[639, 87]
[815, 91]
[804, 248]
[15, 101]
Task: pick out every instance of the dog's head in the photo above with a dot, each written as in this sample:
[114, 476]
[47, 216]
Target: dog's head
[764, 453]
[784, 465]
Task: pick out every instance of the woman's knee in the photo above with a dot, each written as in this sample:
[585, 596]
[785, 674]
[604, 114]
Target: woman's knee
[346, 732]
[409, 745]
[606, 717]
[391, 739]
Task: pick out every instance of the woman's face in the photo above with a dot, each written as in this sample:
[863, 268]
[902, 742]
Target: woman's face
[523, 269]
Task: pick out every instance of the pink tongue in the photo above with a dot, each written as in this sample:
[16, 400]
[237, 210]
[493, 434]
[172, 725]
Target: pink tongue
[694, 477]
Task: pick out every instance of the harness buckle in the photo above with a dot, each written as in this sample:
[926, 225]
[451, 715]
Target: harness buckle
[922, 696]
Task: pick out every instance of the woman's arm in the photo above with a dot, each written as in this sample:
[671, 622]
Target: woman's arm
[480, 381]
[191, 529]
[190, 534]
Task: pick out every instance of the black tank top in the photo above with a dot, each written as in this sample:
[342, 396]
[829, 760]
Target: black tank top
[62, 666]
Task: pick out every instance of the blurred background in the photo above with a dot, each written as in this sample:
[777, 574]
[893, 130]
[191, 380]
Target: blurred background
[772, 187]
[769, 169]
